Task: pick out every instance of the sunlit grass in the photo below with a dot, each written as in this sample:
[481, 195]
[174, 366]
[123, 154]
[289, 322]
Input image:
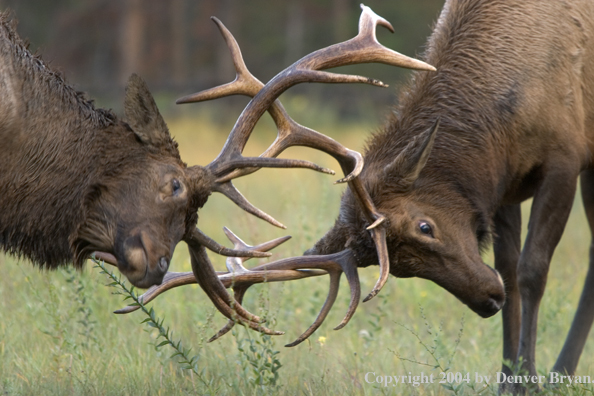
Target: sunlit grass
[49, 346]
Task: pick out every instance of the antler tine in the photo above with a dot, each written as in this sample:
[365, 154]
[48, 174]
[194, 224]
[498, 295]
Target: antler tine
[244, 84]
[335, 264]
[379, 238]
[207, 278]
[214, 246]
[229, 190]
[238, 294]
[176, 279]
[205, 275]
[244, 247]
[170, 281]
[215, 290]
[332, 293]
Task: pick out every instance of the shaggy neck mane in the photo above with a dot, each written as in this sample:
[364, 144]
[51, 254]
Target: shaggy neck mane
[474, 108]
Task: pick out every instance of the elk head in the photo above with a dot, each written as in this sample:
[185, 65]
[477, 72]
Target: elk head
[141, 163]
[434, 230]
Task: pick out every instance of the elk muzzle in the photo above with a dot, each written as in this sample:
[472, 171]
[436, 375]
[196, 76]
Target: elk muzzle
[485, 295]
[142, 260]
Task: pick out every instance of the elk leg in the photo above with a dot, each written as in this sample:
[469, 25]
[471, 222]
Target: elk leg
[582, 321]
[550, 209]
[507, 245]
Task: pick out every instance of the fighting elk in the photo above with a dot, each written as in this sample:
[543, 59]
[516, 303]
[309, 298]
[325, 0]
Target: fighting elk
[506, 117]
[361, 49]
[76, 181]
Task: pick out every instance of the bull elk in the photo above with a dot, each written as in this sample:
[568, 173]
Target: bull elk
[504, 118]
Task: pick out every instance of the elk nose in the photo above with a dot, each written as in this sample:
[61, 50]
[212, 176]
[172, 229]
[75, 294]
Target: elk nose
[163, 264]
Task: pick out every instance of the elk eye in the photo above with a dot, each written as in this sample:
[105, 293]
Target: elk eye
[175, 186]
[425, 228]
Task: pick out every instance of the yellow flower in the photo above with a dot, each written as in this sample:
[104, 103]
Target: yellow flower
[322, 340]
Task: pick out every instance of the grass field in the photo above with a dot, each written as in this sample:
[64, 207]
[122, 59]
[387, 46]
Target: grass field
[59, 337]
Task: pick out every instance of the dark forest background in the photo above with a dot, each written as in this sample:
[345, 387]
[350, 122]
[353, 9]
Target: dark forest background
[173, 44]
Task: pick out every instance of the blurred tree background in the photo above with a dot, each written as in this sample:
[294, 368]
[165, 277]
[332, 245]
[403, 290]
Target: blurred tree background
[97, 44]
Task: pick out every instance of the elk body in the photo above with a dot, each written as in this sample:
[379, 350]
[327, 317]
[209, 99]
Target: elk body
[514, 96]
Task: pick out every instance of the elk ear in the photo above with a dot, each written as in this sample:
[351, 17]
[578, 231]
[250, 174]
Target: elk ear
[410, 162]
[142, 113]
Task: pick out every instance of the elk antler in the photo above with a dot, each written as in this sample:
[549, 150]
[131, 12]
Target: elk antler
[240, 279]
[230, 163]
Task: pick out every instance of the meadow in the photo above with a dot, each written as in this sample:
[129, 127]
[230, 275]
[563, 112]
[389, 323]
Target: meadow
[58, 335]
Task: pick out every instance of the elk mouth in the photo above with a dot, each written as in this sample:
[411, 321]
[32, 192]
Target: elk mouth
[488, 308]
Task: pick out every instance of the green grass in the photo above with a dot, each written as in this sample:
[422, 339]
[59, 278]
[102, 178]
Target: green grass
[58, 335]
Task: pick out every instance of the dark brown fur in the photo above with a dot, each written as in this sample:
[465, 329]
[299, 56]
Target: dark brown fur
[75, 179]
[514, 93]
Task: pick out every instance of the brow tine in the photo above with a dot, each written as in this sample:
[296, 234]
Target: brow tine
[349, 267]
